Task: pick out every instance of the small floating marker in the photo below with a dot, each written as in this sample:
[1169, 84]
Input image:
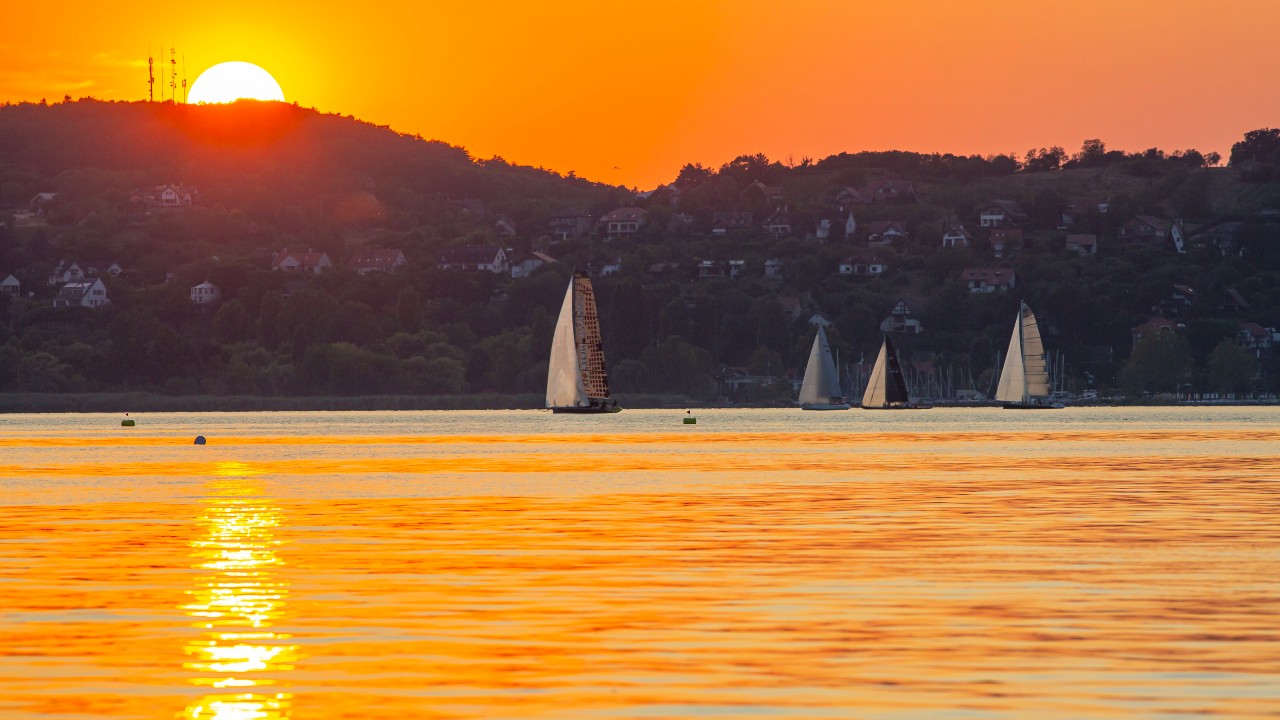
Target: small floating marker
[199, 439]
[691, 421]
[127, 423]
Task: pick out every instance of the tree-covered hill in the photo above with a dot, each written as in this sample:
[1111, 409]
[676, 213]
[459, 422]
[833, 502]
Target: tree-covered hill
[710, 294]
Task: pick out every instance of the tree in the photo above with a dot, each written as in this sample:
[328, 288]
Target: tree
[231, 322]
[1232, 369]
[1260, 145]
[408, 310]
[1160, 362]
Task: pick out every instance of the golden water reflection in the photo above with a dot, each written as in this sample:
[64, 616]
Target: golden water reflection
[238, 602]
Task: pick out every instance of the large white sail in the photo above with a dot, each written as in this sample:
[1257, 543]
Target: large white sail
[1024, 376]
[564, 380]
[821, 382]
[886, 388]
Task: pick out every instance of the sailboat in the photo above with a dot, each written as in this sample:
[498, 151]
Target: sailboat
[886, 388]
[1024, 381]
[576, 378]
[821, 387]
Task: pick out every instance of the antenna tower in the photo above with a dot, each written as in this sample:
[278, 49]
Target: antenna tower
[151, 76]
[173, 74]
[184, 78]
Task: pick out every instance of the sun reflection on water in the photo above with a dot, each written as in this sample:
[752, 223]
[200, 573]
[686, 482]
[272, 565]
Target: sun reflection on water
[237, 603]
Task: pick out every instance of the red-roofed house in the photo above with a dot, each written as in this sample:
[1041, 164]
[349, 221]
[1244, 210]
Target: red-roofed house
[1254, 337]
[999, 213]
[988, 280]
[376, 260]
[1004, 240]
[1153, 326]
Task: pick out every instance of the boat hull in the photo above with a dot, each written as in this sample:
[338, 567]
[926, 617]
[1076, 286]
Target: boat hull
[1031, 406]
[587, 410]
[826, 406]
[896, 407]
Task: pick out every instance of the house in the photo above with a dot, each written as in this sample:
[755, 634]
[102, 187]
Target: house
[708, 269]
[474, 258]
[623, 221]
[525, 267]
[1178, 301]
[1232, 301]
[955, 237]
[308, 262]
[1255, 338]
[173, 196]
[611, 266]
[1077, 208]
[1144, 228]
[10, 286]
[85, 293]
[569, 225]
[988, 280]
[790, 307]
[863, 265]
[1083, 244]
[663, 195]
[98, 268]
[660, 270]
[774, 269]
[759, 194]
[848, 197]
[1005, 240]
[1153, 326]
[40, 200]
[505, 227]
[890, 190]
[901, 320]
[206, 293]
[737, 268]
[1000, 213]
[376, 260]
[886, 232]
[66, 272]
[820, 320]
[723, 222]
[779, 223]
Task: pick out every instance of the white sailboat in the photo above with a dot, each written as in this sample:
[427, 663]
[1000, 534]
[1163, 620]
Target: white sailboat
[1024, 381]
[887, 387]
[577, 381]
[821, 387]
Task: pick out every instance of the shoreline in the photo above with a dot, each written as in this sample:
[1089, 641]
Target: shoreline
[45, 403]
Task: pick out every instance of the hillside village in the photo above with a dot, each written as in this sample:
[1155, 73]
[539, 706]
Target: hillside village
[326, 256]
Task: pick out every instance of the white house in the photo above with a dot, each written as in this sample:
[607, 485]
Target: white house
[10, 286]
[377, 260]
[998, 213]
[66, 272]
[773, 269]
[206, 293]
[737, 268]
[956, 237]
[90, 294]
[623, 221]
[98, 268]
[901, 320]
[308, 262]
[863, 265]
[886, 232]
[474, 258]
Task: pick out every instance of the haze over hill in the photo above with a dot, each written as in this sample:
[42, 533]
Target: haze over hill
[703, 282]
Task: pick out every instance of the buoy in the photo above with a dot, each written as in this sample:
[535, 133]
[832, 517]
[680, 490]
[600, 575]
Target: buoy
[127, 423]
[199, 439]
[691, 421]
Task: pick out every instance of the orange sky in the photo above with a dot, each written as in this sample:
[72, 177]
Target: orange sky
[628, 92]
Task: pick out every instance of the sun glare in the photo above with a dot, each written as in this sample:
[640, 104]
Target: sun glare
[230, 81]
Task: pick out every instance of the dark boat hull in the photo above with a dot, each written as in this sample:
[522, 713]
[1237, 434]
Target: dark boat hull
[1030, 406]
[587, 410]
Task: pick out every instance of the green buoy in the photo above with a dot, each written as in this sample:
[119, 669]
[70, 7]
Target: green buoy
[127, 423]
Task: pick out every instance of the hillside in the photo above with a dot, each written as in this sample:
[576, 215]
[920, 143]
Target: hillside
[707, 286]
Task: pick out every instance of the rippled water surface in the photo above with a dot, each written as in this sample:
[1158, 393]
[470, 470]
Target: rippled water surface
[1079, 563]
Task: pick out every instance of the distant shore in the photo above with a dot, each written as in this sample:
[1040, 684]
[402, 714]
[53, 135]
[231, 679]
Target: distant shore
[14, 403]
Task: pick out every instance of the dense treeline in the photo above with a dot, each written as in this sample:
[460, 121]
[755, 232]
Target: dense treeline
[274, 176]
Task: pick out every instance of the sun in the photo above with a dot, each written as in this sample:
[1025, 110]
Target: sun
[230, 81]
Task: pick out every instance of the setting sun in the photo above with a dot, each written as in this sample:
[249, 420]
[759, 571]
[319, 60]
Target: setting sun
[231, 81]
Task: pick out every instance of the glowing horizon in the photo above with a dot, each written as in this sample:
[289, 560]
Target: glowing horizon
[628, 96]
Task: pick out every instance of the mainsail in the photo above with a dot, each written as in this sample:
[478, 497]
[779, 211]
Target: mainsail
[1024, 375]
[887, 386]
[576, 374]
[821, 382]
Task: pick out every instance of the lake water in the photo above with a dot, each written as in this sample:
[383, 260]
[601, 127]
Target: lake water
[948, 563]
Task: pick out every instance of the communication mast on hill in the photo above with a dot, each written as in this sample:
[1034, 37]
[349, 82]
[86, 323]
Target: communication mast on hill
[173, 74]
[184, 78]
[151, 77]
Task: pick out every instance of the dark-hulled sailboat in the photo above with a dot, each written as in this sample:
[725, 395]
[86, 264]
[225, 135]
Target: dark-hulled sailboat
[577, 381]
[887, 387]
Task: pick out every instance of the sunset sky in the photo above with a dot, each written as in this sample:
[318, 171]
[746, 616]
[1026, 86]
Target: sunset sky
[628, 92]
